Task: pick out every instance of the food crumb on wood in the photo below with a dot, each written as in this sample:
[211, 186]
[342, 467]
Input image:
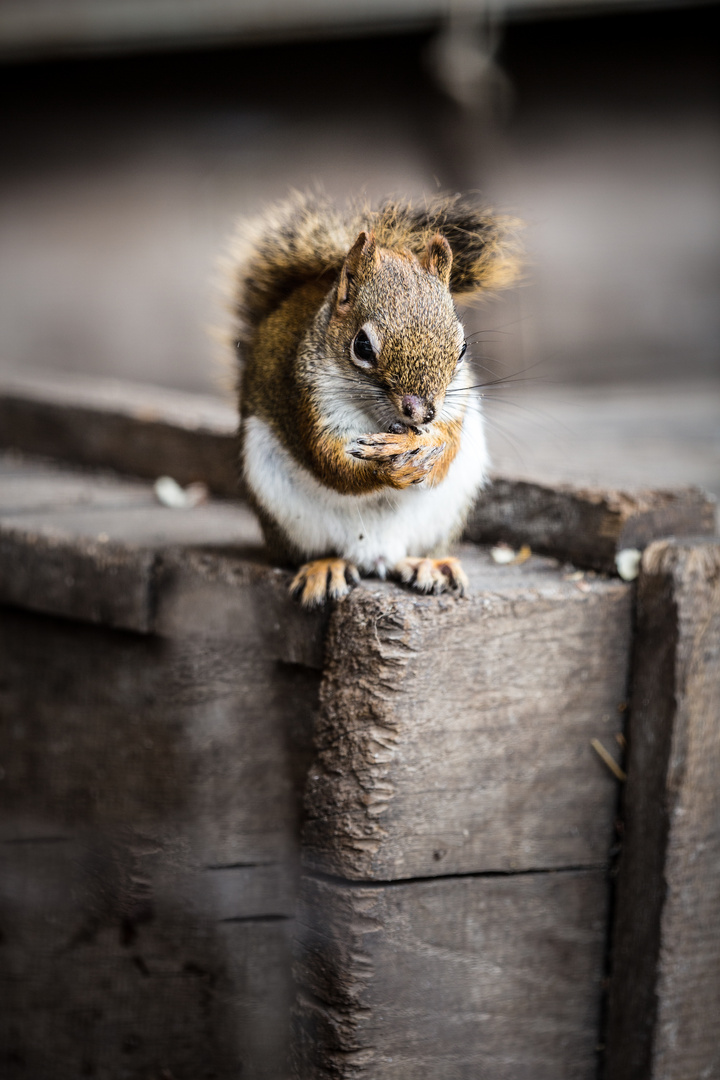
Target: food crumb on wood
[505, 555]
[627, 562]
[169, 493]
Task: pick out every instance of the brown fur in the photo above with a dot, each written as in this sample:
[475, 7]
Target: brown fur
[307, 237]
[306, 278]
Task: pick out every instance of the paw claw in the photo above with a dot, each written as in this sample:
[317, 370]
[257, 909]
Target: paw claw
[321, 580]
[432, 575]
[352, 575]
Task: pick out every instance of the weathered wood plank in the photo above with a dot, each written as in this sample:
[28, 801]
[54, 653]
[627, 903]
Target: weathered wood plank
[148, 431]
[665, 992]
[454, 735]
[458, 978]
[586, 526]
[202, 736]
[102, 550]
[114, 963]
[200, 592]
[92, 580]
[35, 485]
[143, 430]
[88, 550]
[149, 804]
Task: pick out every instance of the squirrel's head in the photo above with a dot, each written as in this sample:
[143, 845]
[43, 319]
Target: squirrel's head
[395, 326]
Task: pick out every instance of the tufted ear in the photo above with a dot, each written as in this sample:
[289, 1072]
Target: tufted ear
[438, 258]
[360, 261]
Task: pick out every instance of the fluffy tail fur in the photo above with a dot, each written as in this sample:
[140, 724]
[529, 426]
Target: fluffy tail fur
[307, 238]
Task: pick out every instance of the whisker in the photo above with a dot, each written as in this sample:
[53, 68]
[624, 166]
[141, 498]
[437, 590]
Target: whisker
[506, 379]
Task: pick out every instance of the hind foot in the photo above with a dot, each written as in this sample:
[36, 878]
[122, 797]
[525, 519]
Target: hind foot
[432, 575]
[323, 579]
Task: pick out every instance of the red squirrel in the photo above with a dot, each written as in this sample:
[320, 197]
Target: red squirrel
[361, 438]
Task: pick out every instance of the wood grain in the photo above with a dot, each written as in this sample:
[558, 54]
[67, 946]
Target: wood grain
[454, 735]
[665, 995]
[115, 964]
[149, 808]
[586, 526]
[495, 976]
[143, 430]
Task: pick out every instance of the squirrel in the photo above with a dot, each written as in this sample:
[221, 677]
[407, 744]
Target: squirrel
[361, 438]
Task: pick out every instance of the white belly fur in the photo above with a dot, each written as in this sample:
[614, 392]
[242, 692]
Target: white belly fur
[372, 531]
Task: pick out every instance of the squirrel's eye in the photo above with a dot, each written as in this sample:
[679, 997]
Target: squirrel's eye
[363, 352]
[462, 354]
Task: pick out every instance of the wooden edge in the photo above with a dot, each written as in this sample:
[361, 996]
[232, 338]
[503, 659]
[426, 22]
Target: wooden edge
[666, 936]
[431, 977]
[172, 591]
[78, 577]
[586, 526]
[389, 703]
[150, 431]
[138, 430]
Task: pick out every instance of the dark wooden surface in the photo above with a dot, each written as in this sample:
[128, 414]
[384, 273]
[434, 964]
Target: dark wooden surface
[665, 995]
[161, 697]
[586, 526]
[143, 430]
[87, 547]
[150, 801]
[154, 774]
[149, 431]
[459, 978]
[454, 735]
[115, 965]
[149, 805]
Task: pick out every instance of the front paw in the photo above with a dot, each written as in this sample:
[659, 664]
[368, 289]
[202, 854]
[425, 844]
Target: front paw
[432, 575]
[399, 457]
[323, 579]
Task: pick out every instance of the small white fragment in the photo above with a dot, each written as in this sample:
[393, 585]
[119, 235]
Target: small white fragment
[169, 493]
[627, 562]
[502, 553]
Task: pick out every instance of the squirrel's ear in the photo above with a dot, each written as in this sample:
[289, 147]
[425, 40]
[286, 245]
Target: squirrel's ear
[438, 258]
[360, 260]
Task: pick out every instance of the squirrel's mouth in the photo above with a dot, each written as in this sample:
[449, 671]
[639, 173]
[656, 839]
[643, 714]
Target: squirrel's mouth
[398, 427]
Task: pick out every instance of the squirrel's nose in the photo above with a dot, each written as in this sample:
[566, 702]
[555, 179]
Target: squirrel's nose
[417, 410]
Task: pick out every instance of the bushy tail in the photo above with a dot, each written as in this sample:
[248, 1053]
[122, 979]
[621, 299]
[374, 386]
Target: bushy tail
[306, 238]
[485, 246]
[295, 241]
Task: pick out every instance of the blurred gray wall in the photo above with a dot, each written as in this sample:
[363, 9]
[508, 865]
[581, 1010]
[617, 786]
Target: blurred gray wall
[121, 176]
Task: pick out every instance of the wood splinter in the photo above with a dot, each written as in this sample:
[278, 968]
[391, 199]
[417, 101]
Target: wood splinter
[608, 759]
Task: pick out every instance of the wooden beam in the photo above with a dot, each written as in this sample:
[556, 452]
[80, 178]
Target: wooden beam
[469, 976]
[140, 430]
[665, 991]
[149, 800]
[454, 735]
[587, 526]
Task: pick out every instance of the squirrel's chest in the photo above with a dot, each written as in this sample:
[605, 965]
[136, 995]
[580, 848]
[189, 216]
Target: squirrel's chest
[374, 530]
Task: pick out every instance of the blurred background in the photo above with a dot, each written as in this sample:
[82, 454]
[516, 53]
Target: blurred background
[134, 133]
